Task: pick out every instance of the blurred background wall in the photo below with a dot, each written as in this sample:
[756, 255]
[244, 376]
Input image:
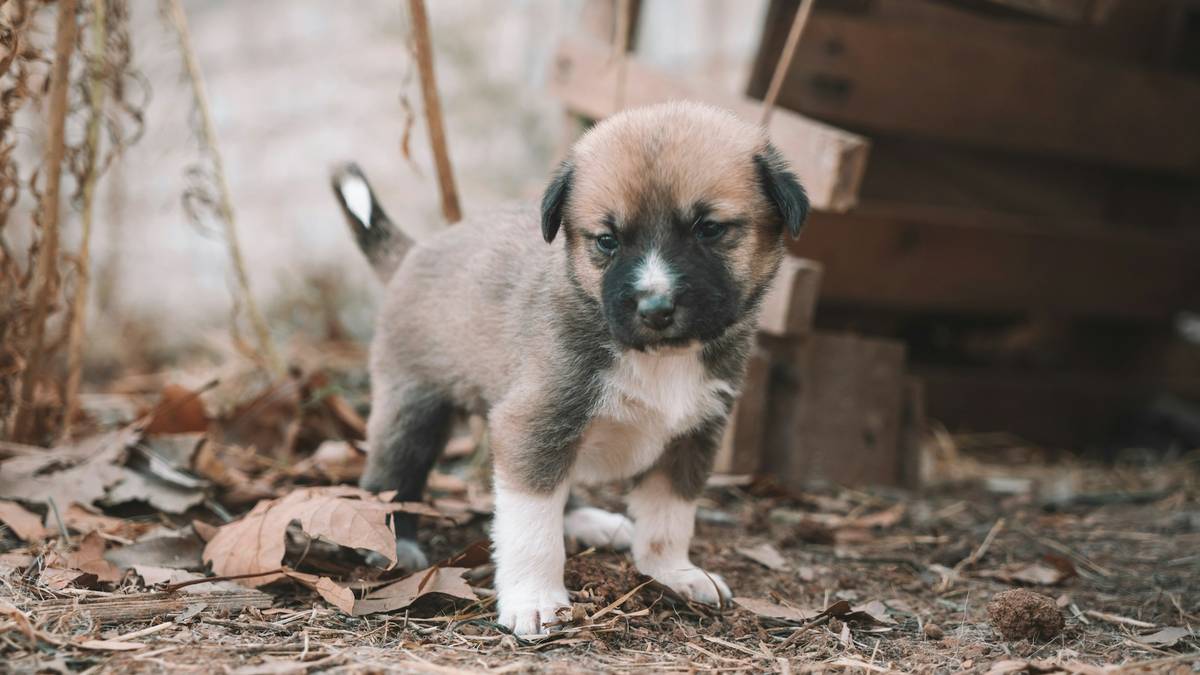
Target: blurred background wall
[298, 85]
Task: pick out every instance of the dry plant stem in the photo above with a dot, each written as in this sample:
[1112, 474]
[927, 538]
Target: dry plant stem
[975, 556]
[423, 47]
[47, 277]
[79, 307]
[621, 49]
[785, 58]
[225, 202]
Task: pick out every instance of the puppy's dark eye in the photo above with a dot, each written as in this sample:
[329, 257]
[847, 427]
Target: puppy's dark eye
[607, 244]
[708, 230]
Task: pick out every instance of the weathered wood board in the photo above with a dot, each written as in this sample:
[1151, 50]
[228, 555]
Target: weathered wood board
[829, 161]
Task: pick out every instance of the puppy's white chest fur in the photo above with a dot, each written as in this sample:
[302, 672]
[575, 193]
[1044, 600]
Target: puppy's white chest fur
[649, 398]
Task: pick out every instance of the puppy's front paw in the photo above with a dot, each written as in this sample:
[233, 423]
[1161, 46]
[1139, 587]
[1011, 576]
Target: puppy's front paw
[694, 583]
[598, 528]
[528, 614]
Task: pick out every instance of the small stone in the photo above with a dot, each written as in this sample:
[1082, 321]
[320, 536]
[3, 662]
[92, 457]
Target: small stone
[934, 631]
[1020, 614]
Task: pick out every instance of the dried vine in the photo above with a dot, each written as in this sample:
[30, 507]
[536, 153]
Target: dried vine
[36, 285]
[208, 192]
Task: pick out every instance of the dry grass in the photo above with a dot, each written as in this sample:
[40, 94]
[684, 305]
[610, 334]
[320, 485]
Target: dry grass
[1129, 537]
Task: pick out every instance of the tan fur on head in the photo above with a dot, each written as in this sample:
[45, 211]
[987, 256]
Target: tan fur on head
[673, 155]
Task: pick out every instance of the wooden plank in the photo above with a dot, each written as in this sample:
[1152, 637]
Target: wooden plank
[829, 162]
[1133, 31]
[1063, 410]
[741, 447]
[961, 261]
[930, 83]
[122, 608]
[789, 305]
[1067, 11]
[835, 405]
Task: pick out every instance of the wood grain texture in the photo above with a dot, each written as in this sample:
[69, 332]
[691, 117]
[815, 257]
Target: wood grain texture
[964, 261]
[829, 161]
[989, 91]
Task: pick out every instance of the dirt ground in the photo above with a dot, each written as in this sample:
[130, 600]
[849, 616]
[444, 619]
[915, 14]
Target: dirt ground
[103, 540]
[1131, 566]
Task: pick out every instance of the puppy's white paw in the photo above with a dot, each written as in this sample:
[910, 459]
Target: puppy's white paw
[528, 614]
[598, 528]
[694, 583]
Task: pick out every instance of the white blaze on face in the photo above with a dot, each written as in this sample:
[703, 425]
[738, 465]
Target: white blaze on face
[357, 196]
[654, 276]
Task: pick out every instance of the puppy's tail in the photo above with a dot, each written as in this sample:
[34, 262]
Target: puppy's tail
[381, 241]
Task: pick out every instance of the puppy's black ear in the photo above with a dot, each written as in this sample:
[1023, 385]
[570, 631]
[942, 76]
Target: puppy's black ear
[554, 202]
[781, 187]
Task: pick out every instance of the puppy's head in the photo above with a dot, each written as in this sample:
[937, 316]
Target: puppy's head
[674, 217]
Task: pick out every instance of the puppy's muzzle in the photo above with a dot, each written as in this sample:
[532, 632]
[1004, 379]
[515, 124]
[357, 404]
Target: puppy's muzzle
[656, 311]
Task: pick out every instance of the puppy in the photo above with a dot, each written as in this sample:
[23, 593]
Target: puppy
[612, 347]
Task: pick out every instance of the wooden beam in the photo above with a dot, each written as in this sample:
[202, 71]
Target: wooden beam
[740, 452]
[929, 83]
[789, 305]
[829, 162]
[954, 260]
[1065, 11]
[1068, 410]
[836, 405]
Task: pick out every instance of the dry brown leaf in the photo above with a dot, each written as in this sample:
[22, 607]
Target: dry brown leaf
[872, 612]
[89, 558]
[334, 462]
[459, 511]
[164, 496]
[342, 515]
[474, 555]
[178, 411]
[77, 473]
[398, 594]
[27, 526]
[771, 610]
[203, 530]
[1166, 637]
[15, 560]
[176, 550]
[59, 578]
[83, 521]
[270, 422]
[152, 576]
[766, 555]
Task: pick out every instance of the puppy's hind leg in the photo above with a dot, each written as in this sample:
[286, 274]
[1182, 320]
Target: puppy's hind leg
[596, 528]
[408, 427]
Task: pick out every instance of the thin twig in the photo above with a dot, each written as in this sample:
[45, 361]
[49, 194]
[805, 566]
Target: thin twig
[171, 588]
[975, 556]
[224, 202]
[423, 48]
[785, 58]
[96, 93]
[47, 264]
[621, 49]
[820, 620]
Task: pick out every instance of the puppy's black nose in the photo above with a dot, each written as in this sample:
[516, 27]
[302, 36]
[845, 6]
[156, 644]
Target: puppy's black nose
[656, 311]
